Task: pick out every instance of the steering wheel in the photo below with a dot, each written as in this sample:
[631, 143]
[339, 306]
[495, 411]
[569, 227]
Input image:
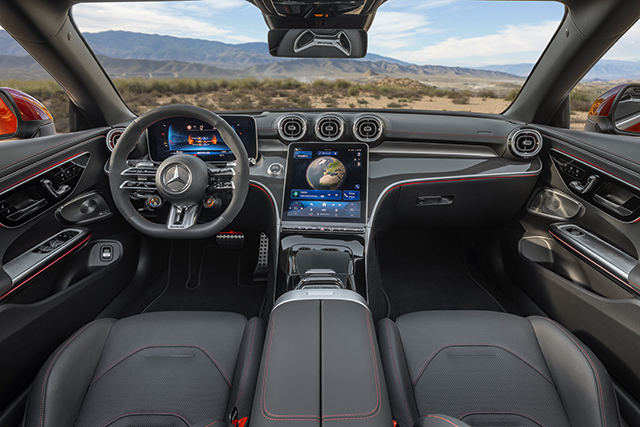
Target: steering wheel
[181, 180]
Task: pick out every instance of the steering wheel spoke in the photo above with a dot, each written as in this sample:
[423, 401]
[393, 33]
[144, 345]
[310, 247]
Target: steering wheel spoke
[183, 217]
[182, 181]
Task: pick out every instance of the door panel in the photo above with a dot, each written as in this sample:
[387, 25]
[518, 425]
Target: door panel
[579, 270]
[56, 274]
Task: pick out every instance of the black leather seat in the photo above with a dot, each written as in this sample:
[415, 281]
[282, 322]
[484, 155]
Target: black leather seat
[170, 369]
[492, 369]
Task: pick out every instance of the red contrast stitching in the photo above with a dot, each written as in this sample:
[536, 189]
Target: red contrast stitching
[591, 145]
[500, 412]
[263, 405]
[163, 346]
[55, 358]
[599, 266]
[172, 414]
[51, 148]
[15, 288]
[45, 169]
[593, 367]
[265, 192]
[393, 359]
[376, 409]
[478, 345]
[443, 419]
[246, 367]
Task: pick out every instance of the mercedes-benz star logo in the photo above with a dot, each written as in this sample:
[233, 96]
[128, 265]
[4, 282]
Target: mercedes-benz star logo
[176, 178]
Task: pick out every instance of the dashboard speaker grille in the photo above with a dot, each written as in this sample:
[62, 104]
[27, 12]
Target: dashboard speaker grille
[329, 128]
[368, 128]
[113, 136]
[525, 143]
[292, 127]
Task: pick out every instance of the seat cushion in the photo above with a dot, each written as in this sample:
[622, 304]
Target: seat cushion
[156, 369]
[492, 369]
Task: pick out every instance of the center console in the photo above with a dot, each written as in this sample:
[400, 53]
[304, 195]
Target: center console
[321, 363]
[324, 217]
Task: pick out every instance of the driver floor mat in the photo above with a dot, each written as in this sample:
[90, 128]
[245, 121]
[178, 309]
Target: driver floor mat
[200, 276]
[426, 270]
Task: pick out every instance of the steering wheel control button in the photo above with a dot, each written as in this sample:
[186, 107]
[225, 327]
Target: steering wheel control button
[275, 169]
[176, 178]
[154, 202]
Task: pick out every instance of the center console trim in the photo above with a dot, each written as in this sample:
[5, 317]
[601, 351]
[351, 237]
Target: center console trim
[320, 294]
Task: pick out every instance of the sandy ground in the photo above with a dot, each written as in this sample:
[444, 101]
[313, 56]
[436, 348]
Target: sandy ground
[476, 105]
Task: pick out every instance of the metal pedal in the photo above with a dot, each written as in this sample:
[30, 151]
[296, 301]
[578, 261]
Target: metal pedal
[260, 273]
[230, 241]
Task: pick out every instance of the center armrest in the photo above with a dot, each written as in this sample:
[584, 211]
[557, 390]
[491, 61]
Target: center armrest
[321, 363]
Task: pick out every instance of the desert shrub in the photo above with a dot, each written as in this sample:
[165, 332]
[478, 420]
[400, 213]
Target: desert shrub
[363, 101]
[353, 90]
[512, 94]
[342, 84]
[461, 100]
[394, 105]
[352, 105]
[487, 93]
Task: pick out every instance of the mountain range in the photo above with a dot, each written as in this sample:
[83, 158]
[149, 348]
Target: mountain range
[125, 53]
[605, 69]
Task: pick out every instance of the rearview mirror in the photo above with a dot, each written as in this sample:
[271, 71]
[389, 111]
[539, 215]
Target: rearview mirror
[616, 111]
[318, 43]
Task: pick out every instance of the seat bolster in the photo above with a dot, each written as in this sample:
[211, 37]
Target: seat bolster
[247, 367]
[403, 402]
[59, 388]
[583, 383]
[437, 420]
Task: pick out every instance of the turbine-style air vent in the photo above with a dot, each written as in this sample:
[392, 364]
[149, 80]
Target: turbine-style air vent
[292, 127]
[113, 136]
[525, 143]
[368, 128]
[329, 127]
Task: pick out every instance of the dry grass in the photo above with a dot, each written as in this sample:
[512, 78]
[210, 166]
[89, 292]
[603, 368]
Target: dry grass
[268, 94]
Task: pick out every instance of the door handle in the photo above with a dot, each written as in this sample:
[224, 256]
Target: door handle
[582, 189]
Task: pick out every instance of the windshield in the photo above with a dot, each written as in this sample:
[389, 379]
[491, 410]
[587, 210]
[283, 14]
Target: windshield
[424, 55]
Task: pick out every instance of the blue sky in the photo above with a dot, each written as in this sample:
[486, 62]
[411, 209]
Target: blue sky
[445, 32]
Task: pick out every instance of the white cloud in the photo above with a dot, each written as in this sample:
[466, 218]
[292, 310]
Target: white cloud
[628, 47]
[179, 19]
[395, 30]
[511, 41]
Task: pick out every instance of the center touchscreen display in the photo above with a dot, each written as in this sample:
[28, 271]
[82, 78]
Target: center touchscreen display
[326, 182]
[197, 138]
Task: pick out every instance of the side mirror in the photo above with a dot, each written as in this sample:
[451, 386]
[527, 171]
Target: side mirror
[616, 111]
[318, 43]
[8, 116]
[22, 116]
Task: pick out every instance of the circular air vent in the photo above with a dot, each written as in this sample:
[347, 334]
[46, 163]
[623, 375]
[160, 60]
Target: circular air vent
[368, 128]
[292, 127]
[525, 143]
[329, 127]
[113, 136]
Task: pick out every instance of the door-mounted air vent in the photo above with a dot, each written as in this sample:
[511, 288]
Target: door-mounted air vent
[292, 127]
[329, 128]
[113, 136]
[525, 143]
[368, 128]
